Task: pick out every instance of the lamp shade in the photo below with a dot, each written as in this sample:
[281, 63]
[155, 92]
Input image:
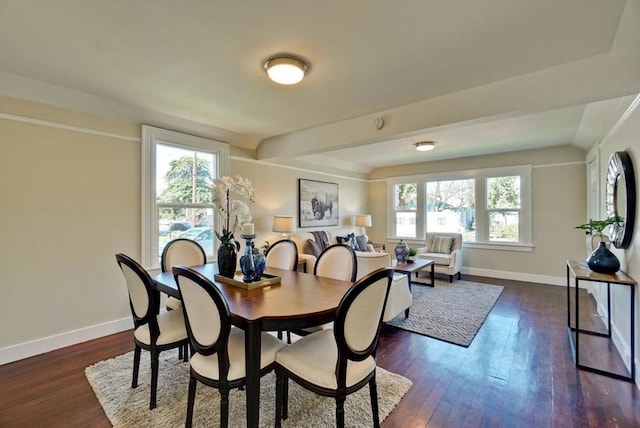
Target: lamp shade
[284, 223]
[363, 220]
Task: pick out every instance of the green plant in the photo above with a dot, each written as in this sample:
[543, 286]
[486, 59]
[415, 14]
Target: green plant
[412, 252]
[599, 225]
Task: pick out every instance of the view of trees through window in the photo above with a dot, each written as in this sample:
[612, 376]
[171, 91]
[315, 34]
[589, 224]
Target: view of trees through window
[406, 203]
[503, 207]
[450, 207]
[184, 180]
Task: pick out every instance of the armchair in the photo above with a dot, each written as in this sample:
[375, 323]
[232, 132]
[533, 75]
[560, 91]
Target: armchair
[445, 249]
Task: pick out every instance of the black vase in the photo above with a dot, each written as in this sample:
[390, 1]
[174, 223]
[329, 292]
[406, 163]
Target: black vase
[227, 257]
[603, 261]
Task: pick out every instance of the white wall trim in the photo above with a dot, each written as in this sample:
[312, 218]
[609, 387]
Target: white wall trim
[516, 276]
[57, 125]
[297, 168]
[62, 340]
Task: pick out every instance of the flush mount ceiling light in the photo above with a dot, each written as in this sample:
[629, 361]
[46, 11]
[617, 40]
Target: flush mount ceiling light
[425, 146]
[285, 69]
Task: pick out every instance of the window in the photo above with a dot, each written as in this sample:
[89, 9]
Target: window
[490, 207]
[405, 206]
[178, 173]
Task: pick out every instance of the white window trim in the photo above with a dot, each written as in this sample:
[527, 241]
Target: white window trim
[152, 136]
[525, 222]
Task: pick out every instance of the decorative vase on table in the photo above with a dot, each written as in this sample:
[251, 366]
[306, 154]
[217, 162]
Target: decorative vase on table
[227, 258]
[602, 260]
[401, 251]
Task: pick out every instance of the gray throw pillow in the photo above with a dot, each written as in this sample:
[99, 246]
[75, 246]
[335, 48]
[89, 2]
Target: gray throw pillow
[441, 244]
[312, 248]
[362, 241]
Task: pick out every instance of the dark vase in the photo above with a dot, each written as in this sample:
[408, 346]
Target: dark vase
[602, 260]
[227, 257]
[402, 252]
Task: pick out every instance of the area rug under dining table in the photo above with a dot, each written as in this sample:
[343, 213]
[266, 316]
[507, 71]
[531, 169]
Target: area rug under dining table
[452, 312]
[128, 408]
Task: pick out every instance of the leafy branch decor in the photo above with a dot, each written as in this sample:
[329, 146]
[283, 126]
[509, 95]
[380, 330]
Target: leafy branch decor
[599, 225]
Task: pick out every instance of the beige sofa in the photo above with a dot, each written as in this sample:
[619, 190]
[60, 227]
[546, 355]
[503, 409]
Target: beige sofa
[400, 298]
[446, 255]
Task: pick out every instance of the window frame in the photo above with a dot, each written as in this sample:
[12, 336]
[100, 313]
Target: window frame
[480, 176]
[151, 137]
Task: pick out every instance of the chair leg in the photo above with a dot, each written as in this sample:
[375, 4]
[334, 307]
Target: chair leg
[185, 352]
[450, 279]
[373, 391]
[154, 378]
[289, 337]
[224, 407]
[280, 334]
[459, 276]
[180, 350]
[136, 366]
[279, 393]
[285, 397]
[191, 401]
[340, 411]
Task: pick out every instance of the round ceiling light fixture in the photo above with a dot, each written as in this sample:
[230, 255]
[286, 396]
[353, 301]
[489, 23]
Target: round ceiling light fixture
[425, 146]
[286, 69]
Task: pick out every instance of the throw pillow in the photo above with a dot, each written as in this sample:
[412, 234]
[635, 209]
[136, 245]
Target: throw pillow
[322, 239]
[312, 248]
[362, 241]
[350, 239]
[441, 244]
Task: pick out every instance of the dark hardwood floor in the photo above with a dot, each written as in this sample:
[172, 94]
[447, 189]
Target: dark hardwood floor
[518, 372]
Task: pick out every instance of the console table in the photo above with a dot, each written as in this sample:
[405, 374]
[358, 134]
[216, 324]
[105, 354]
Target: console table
[581, 272]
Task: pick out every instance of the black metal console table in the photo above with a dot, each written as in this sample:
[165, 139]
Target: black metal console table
[581, 272]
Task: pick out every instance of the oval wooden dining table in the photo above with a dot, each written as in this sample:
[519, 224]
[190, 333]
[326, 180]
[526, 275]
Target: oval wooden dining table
[300, 300]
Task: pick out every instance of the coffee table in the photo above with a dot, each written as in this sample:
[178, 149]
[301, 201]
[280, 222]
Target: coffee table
[414, 266]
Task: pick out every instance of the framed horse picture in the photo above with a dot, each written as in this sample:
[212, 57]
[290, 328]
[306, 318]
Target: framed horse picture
[317, 203]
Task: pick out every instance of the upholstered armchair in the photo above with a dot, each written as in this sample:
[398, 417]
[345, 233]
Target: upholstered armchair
[445, 249]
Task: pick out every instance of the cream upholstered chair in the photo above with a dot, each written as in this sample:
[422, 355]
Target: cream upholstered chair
[339, 361]
[283, 255]
[178, 252]
[445, 249]
[218, 358]
[337, 261]
[153, 332]
[400, 298]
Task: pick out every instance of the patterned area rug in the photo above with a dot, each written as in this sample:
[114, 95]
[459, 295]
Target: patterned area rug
[127, 408]
[450, 312]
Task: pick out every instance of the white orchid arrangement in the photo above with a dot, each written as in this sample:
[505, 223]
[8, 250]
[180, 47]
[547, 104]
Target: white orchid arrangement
[235, 210]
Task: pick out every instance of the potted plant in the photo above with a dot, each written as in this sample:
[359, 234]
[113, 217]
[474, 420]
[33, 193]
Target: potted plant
[594, 230]
[412, 253]
[601, 259]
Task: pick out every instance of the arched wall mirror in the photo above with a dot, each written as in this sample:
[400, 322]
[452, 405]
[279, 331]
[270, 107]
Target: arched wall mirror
[621, 198]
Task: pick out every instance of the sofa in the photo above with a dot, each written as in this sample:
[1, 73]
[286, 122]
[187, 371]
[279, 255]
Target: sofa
[445, 249]
[400, 298]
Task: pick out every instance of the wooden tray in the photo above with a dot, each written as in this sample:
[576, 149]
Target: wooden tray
[237, 281]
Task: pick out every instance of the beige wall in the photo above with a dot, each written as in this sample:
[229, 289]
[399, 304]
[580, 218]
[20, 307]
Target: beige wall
[558, 200]
[71, 201]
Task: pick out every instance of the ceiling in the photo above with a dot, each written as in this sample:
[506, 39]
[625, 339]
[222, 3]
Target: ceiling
[498, 77]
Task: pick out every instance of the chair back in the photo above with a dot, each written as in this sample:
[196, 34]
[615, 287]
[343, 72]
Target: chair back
[144, 299]
[282, 255]
[337, 261]
[182, 251]
[359, 318]
[206, 315]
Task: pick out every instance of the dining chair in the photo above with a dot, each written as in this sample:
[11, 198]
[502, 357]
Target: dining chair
[218, 357]
[153, 331]
[180, 251]
[337, 261]
[283, 255]
[339, 361]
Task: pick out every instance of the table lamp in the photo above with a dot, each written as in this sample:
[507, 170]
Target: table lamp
[284, 224]
[363, 220]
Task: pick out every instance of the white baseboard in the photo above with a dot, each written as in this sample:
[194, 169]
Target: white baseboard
[516, 276]
[62, 340]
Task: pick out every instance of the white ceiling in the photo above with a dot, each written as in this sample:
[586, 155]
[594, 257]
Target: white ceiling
[478, 77]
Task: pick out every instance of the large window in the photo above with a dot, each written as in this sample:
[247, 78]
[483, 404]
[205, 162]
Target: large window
[178, 174]
[489, 207]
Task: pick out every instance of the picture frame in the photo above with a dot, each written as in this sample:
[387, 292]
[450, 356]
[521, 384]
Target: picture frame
[318, 203]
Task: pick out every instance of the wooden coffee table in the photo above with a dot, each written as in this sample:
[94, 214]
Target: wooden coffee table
[414, 266]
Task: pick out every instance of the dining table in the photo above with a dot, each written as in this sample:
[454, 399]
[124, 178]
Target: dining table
[299, 300]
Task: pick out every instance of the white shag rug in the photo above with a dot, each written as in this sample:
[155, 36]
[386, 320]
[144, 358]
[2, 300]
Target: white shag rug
[450, 312]
[128, 408]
